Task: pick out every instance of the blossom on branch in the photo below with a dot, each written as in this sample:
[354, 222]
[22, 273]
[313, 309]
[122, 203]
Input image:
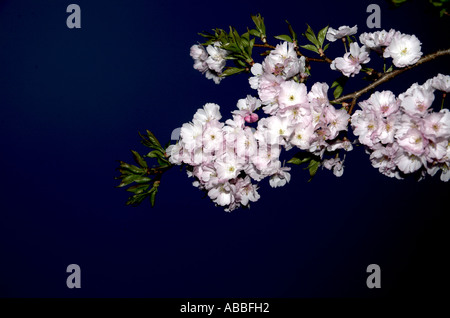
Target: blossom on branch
[343, 31]
[404, 50]
[350, 64]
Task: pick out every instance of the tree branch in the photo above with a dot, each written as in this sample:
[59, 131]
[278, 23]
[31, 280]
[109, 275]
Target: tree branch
[387, 77]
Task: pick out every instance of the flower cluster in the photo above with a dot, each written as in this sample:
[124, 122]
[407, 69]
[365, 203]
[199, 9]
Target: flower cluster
[226, 158]
[298, 118]
[223, 156]
[209, 61]
[404, 49]
[403, 135]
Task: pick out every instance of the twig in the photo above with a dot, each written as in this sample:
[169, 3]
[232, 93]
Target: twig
[387, 77]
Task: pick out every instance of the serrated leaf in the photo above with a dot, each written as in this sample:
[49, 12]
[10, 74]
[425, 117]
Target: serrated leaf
[256, 21]
[142, 179]
[138, 188]
[311, 36]
[232, 71]
[300, 157]
[206, 35]
[136, 199]
[313, 167]
[293, 34]
[310, 47]
[150, 141]
[131, 168]
[283, 37]
[155, 154]
[255, 33]
[321, 35]
[338, 91]
[139, 160]
[152, 196]
[250, 46]
[339, 83]
[127, 180]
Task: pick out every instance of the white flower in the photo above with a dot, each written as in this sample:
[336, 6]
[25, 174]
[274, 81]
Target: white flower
[191, 135]
[246, 191]
[413, 142]
[407, 163]
[302, 136]
[222, 194]
[291, 94]
[404, 50]
[350, 64]
[281, 176]
[337, 120]
[333, 34]
[277, 129]
[318, 94]
[216, 60]
[227, 167]
[209, 112]
[376, 40]
[257, 71]
[383, 103]
[212, 139]
[437, 125]
[417, 100]
[441, 82]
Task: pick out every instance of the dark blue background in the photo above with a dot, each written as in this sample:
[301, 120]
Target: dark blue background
[72, 102]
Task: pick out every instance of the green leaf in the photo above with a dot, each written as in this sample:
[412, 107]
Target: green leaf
[250, 46]
[232, 70]
[155, 154]
[257, 21]
[255, 33]
[311, 36]
[283, 37]
[138, 188]
[127, 180]
[150, 141]
[139, 159]
[325, 47]
[293, 34]
[313, 167]
[131, 168]
[338, 91]
[310, 47]
[300, 157]
[339, 84]
[152, 196]
[321, 35]
[142, 179]
[136, 199]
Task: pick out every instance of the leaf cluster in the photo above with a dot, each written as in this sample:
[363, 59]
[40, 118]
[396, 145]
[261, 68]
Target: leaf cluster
[145, 179]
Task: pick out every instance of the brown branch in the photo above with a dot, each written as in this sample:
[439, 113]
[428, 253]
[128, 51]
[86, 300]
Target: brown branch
[158, 170]
[387, 77]
[264, 45]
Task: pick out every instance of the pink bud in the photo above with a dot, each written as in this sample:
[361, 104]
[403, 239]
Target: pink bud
[253, 118]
